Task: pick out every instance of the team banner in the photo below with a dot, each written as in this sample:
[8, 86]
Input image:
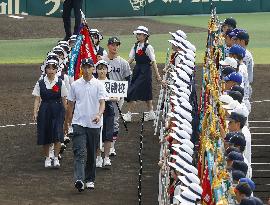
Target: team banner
[116, 88]
[74, 55]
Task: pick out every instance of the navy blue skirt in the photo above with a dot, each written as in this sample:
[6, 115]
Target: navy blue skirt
[140, 87]
[50, 122]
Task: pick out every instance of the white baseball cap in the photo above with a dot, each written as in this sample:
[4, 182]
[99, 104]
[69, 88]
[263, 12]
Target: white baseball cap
[229, 61]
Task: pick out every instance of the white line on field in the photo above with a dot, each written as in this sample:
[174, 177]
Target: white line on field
[259, 145]
[260, 133]
[259, 121]
[259, 101]
[21, 124]
[260, 163]
[259, 127]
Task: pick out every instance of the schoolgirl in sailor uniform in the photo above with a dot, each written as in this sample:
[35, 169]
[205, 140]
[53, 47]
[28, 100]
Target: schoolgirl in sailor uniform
[97, 37]
[49, 111]
[141, 84]
[103, 69]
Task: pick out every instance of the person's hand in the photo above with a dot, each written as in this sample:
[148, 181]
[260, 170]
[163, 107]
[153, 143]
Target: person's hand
[96, 120]
[35, 116]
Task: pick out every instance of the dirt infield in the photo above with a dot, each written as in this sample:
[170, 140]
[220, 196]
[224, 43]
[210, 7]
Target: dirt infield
[25, 181]
[48, 27]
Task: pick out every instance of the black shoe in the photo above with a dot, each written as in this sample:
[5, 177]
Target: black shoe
[79, 185]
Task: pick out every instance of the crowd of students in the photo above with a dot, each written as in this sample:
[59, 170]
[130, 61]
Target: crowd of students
[81, 110]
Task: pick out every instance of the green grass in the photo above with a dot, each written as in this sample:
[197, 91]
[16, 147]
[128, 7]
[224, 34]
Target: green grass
[34, 50]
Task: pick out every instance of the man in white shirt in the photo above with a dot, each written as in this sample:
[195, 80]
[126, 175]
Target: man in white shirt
[89, 95]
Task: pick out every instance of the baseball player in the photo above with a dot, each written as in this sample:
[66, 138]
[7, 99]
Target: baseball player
[120, 72]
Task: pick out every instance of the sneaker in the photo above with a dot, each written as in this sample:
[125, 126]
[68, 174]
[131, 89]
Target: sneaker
[66, 139]
[79, 185]
[56, 163]
[127, 116]
[112, 152]
[107, 161]
[90, 185]
[48, 162]
[150, 116]
[63, 147]
[99, 161]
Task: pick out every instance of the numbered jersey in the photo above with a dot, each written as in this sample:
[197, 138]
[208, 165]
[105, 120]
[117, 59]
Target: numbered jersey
[120, 68]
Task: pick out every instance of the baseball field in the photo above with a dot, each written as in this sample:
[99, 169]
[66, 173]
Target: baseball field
[24, 44]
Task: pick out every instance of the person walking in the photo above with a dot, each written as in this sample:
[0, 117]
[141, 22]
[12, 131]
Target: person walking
[141, 84]
[68, 5]
[87, 95]
[49, 107]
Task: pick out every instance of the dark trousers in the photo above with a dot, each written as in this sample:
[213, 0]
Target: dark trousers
[68, 5]
[85, 141]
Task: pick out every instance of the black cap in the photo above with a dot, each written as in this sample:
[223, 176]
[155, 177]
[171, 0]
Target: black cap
[237, 174]
[238, 88]
[235, 156]
[113, 40]
[238, 141]
[227, 70]
[228, 136]
[247, 201]
[236, 95]
[230, 149]
[230, 22]
[240, 165]
[237, 117]
[257, 200]
[242, 36]
[88, 61]
[244, 188]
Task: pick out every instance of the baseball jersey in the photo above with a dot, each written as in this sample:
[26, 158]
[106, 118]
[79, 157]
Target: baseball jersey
[245, 83]
[149, 51]
[248, 61]
[120, 68]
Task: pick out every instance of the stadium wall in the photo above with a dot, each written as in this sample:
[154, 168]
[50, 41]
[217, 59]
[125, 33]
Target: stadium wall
[126, 8]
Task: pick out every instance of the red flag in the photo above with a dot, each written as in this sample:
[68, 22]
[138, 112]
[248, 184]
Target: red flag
[77, 73]
[207, 198]
[87, 49]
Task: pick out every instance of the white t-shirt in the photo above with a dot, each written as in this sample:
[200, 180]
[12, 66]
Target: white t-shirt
[120, 68]
[49, 85]
[149, 51]
[87, 95]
